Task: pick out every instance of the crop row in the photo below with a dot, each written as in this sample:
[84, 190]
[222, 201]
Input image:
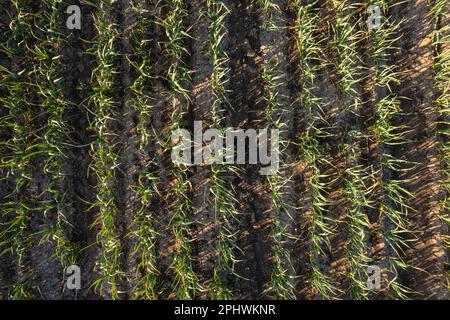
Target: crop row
[224, 201]
[186, 282]
[393, 207]
[105, 160]
[441, 45]
[308, 57]
[144, 231]
[18, 150]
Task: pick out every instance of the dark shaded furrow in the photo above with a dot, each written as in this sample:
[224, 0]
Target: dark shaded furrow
[78, 66]
[254, 228]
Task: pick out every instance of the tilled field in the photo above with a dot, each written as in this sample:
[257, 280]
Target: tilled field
[87, 179]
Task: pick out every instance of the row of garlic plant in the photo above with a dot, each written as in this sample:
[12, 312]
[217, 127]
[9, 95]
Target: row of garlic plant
[393, 207]
[144, 231]
[55, 136]
[440, 11]
[186, 283]
[223, 199]
[105, 160]
[26, 80]
[18, 151]
[307, 58]
[281, 283]
[347, 38]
